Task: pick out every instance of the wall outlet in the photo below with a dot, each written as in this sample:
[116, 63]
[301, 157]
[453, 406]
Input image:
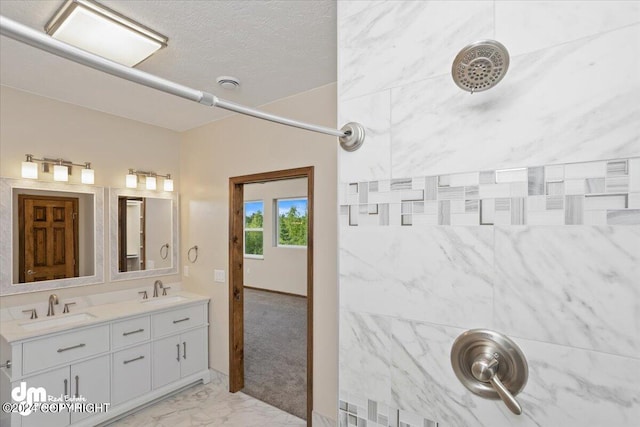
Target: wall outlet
[218, 276]
[185, 271]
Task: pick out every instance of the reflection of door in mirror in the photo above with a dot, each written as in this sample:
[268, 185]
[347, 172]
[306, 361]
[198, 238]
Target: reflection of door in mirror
[131, 233]
[48, 240]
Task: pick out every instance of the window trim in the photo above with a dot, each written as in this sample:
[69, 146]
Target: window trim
[276, 227]
[245, 229]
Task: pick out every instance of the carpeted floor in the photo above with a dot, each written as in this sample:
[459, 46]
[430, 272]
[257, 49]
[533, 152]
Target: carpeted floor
[275, 350]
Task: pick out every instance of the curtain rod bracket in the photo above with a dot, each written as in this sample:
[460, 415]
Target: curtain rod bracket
[353, 136]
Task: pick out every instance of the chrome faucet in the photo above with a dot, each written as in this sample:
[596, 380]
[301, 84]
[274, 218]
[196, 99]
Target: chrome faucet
[53, 299]
[155, 287]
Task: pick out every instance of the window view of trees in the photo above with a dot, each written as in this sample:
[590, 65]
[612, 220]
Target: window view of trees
[253, 228]
[292, 222]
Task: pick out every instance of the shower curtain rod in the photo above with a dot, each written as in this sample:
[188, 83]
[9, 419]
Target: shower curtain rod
[351, 135]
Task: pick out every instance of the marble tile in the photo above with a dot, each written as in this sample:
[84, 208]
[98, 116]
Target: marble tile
[429, 273]
[365, 345]
[575, 286]
[526, 26]
[398, 42]
[320, 420]
[210, 405]
[372, 161]
[438, 128]
[566, 386]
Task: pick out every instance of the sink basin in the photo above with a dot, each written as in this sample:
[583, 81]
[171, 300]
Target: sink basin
[164, 300]
[63, 319]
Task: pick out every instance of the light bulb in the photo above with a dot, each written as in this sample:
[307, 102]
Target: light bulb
[132, 180]
[151, 183]
[87, 176]
[60, 173]
[30, 170]
[168, 184]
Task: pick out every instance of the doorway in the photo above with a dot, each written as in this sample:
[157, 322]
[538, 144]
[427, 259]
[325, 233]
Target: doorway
[48, 238]
[237, 276]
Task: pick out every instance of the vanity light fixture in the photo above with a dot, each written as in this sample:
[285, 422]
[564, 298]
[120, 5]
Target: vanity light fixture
[29, 168]
[61, 169]
[60, 172]
[97, 29]
[131, 179]
[88, 176]
[151, 180]
[168, 183]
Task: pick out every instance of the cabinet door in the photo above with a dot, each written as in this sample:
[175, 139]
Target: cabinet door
[193, 346]
[131, 373]
[54, 383]
[167, 353]
[90, 380]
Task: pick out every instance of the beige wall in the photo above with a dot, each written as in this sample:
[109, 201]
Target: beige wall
[282, 269]
[237, 146]
[48, 128]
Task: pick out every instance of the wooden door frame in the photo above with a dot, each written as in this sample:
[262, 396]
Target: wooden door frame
[236, 274]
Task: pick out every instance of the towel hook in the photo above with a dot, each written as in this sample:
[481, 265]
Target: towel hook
[166, 253]
[193, 248]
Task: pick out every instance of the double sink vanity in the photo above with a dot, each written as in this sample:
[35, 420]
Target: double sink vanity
[111, 351]
[123, 353]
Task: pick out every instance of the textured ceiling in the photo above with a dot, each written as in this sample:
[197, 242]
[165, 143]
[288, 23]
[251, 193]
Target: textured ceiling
[275, 48]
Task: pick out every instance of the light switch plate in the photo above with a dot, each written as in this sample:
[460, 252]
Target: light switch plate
[218, 276]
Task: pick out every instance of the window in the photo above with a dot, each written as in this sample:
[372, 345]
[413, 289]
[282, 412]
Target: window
[253, 231]
[292, 222]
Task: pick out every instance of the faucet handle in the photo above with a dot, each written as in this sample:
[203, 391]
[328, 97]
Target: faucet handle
[66, 307]
[164, 290]
[144, 294]
[34, 313]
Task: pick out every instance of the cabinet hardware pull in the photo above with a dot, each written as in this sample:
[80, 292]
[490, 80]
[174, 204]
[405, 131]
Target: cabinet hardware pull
[66, 386]
[181, 320]
[60, 350]
[7, 364]
[133, 360]
[77, 386]
[124, 334]
[184, 351]
[178, 348]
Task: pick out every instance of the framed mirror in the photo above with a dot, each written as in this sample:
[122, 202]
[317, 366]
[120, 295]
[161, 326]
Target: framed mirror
[143, 233]
[54, 234]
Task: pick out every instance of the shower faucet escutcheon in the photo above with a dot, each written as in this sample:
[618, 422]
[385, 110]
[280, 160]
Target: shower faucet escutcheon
[490, 365]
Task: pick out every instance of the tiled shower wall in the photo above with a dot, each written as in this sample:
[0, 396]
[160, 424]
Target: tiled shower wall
[514, 209]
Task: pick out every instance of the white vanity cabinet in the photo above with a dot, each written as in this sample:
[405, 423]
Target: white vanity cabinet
[125, 362]
[178, 356]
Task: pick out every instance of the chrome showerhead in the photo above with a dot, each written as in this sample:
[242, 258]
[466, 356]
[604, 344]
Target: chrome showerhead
[480, 65]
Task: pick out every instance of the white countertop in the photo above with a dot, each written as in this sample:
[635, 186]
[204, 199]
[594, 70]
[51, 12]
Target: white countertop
[13, 330]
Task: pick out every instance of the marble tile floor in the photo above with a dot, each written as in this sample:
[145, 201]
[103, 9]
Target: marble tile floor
[210, 405]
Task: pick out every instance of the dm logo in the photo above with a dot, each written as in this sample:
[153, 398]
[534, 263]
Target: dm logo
[29, 396]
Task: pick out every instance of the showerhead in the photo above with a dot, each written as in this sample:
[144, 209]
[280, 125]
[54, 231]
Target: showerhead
[480, 65]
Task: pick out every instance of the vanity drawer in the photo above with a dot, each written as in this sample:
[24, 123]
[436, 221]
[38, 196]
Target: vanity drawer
[64, 348]
[130, 331]
[177, 320]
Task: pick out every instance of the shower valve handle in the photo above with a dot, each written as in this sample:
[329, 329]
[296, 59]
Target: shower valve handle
[485, 369]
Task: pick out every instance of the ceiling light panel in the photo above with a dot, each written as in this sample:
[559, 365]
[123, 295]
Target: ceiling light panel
[97, 29]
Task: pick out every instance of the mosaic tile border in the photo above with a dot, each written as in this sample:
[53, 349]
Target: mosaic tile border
[369, 413]
[605, 192]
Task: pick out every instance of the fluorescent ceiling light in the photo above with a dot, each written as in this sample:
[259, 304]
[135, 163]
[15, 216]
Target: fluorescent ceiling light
[97, 29]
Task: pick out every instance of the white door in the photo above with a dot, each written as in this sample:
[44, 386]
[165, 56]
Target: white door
[90, 380]
[55, 383]
[167, 353]
[193, 352]
[131, 373]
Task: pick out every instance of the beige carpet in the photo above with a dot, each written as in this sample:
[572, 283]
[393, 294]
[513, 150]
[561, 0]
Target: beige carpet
[275, 350]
